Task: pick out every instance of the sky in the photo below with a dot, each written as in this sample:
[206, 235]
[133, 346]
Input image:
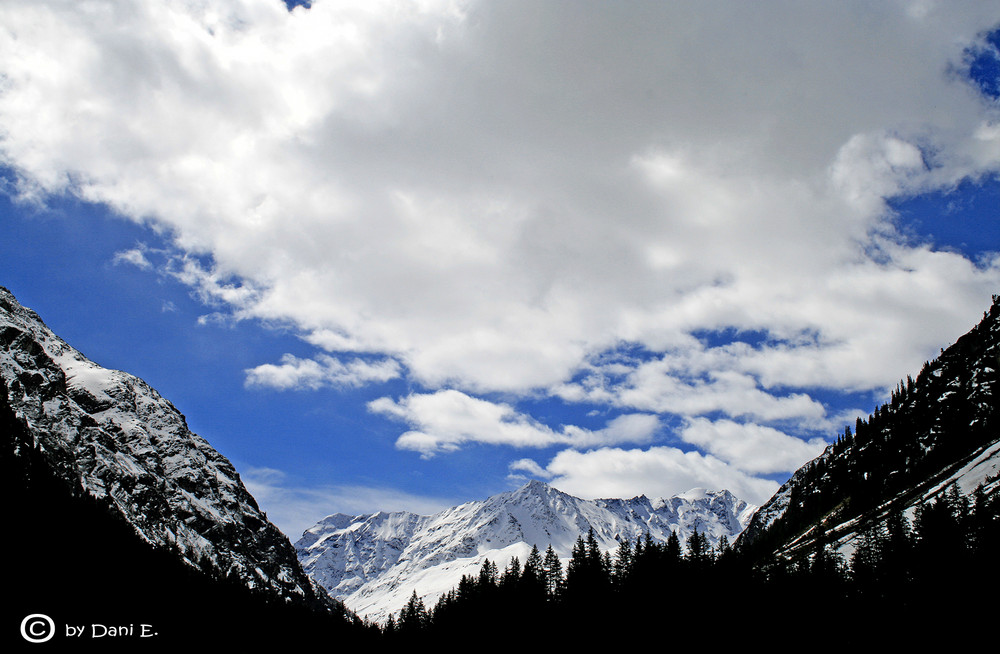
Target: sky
[403, 254]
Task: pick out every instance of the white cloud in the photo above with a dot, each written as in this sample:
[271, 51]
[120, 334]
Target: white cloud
[445, 420]
[492, 204]
[324, 370]
[135, 257]
[870, 168]
[653, 386]
[530, 467]
[655, 472]
[735, 455]
[488, 196]
[749, 447]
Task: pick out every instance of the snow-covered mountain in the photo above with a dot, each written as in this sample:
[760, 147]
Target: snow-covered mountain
[375, 562]
[109, 435]
[938, 432]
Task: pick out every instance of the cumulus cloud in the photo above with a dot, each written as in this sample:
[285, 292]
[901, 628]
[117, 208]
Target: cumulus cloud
[750, 448]
[445, 420]
[489, 196]
[655, 472]
[324, 370]
[654, 386]
[733, 456]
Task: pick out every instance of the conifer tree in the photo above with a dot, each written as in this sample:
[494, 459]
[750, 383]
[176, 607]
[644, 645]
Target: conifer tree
[866, 561]
[593, 550]
[466, 588]
[511, 575]
[623, 562]
[673, 549]
[553, 573]
[697, 547]
[533, 564]
[577, 563]
[487, 575]
[413, 617]
[532, 588]
[586, 575]
[897, 552]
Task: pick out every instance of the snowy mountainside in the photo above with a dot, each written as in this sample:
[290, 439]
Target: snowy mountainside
[938, 431]
[113, 436]
[374, 562]
[841, 535]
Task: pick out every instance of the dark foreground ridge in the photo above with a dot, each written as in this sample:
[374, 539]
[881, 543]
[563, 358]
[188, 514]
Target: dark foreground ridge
[75, 560]
[123, 528]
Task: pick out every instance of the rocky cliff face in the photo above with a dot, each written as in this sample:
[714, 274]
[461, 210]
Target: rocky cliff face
[113, 436]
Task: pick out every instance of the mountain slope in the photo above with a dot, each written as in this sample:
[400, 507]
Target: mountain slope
[938, 430]
[96, 461]
[375, 562]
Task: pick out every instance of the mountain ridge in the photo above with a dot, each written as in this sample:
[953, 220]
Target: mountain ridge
[374, 561]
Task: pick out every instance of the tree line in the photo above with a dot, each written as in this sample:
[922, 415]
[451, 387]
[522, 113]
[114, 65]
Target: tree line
[899, 566]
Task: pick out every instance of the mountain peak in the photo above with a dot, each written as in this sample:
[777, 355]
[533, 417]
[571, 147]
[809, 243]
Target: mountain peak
[694, 494]
[536, 488]
[374, 565]
[536, 485]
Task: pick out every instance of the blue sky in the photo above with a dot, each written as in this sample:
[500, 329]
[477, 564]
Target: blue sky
[389, 255]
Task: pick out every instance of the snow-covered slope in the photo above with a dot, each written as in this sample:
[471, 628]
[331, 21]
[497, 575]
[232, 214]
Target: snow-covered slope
[938, 431]
[981, 469]
[110, 434]
[375, 562]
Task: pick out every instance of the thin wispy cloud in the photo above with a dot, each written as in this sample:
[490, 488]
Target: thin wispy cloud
[135, 257]
[294, 373]
[295, 508]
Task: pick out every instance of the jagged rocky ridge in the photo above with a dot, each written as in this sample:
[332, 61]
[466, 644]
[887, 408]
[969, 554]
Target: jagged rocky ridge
[374, 562]
[113, 437]
[938, 431]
